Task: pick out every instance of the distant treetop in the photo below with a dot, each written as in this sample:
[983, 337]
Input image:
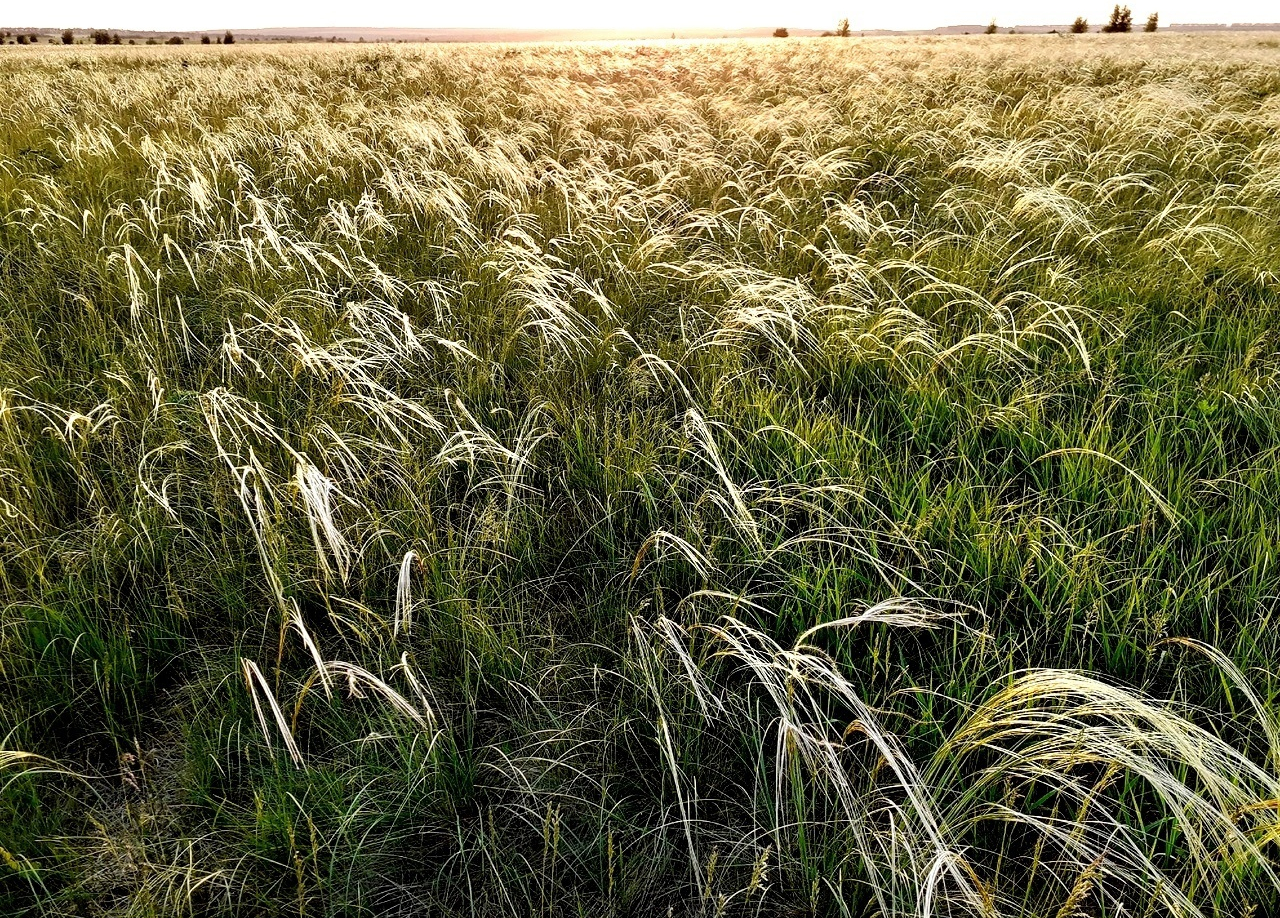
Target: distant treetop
[1121, 20]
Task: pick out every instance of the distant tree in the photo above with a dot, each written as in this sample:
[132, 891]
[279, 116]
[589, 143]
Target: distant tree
[1013, 31]
[101, 37]
[228, 39]
[842, 28]
[175, 40]
[1121, 20]
[22, 39]
[1153, 23]
[152, 41]
[115, 38]
[68, 37]
[1080, 26]
[780, 33]
[206, 40]
[991, 28]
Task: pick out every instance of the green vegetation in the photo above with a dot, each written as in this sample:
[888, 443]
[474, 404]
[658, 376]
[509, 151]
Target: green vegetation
[1121, 20]
[798, 478]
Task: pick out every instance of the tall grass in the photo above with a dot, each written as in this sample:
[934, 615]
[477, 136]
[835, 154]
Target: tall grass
[717, 479]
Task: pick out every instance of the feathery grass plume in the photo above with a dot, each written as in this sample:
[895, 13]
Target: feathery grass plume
[1057, 728]
[317, 492]
[404, 594]
[357, 676]
[729, 496]
[1164, 506]
[259, 690]
[891, 837]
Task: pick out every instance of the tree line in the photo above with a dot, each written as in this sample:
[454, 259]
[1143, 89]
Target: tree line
[842, 31]
[1121, 21]
[103, 37]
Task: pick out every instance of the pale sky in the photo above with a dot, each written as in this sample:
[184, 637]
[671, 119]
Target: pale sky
[674, 14]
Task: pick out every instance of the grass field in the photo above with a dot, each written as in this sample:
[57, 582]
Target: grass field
[809, 477]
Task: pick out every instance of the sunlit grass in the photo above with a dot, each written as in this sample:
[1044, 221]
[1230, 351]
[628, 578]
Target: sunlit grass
[811, 477]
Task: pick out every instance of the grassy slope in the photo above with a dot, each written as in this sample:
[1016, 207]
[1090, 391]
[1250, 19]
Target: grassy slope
[422, 471]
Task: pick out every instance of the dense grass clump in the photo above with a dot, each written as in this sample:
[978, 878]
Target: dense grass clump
[831, 478]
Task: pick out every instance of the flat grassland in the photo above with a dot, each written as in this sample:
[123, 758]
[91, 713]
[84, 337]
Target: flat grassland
[782, 478]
